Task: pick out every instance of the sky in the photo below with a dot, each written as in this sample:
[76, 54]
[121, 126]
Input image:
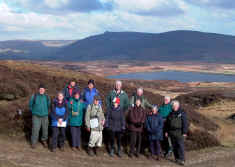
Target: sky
[77, 19]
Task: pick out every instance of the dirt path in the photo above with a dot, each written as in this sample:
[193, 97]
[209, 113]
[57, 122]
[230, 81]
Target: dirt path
[19, 154]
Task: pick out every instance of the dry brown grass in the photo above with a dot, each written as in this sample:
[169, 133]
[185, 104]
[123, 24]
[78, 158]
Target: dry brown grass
[219, 113]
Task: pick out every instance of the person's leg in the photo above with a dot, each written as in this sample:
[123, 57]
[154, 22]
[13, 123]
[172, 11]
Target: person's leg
[139, 136]
[151, 146]
[119, 143]
[133, 142]
[45, 124]
[180, 143]
[99, 142]
[55, 133]
[79, 137]
[36, 125]
[62, 137]
[112, 141]
[175, 147]
[73, 136]
[158, 147]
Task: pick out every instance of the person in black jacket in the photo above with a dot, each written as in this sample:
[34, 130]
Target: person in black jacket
[177, 129]
[115, 122]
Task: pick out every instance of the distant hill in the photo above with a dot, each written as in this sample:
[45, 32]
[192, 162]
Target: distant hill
[30, 50]
[169, 46]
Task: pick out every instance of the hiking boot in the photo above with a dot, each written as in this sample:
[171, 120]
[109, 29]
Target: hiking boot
[44, 143]
[181, 162]
[90, 151]
[73, 149]
[62, 149]
[78, 149]
[53, 150]
[130, 155]
[97, 151]
[157, 158]
[33, 146]
[111, 153]
[119, 153]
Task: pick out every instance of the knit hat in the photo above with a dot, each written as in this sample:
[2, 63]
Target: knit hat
[97, 97]
[76, 92]
[41, 86]
[116, 100]
[91, 81]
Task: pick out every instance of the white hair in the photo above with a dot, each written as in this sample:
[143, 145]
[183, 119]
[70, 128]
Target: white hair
[118, 82]
[175, 102]
[167, 97]
[140, 89]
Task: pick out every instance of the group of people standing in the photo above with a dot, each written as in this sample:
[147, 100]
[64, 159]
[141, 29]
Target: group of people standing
[166, 126]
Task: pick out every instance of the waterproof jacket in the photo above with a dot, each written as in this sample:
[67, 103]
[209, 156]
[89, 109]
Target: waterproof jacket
[59, 111]
[136, 119]
[124, 101]
[94, 112]
[88, 95]
[144, 102]
[115, 119]
[177, 124]
[68, 91]
[154, 126]
[39, 105]
[165, 110]
[76, 112]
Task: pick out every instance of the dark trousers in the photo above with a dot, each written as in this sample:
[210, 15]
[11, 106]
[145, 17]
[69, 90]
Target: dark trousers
[178, 147]
[58, 137]
[115, 136]
[136, 139]
[76, 136]
[165, 142]
[155, 147]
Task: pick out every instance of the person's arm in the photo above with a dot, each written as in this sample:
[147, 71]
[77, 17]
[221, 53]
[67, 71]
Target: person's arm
[31, 103]
[66, 115]
[143, 118]
[108, 101]
[160, 125]
[147, 104]
[87, 117]
[132, 101]
[185, 123]
[123, 120]
[131, 118]
[48, 102]
[126, 102]
[53, 113]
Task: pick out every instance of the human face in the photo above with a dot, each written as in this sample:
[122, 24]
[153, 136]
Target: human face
[155, 110]
[115, 105]
[42, 91]
[76, 96]
[167, 100]
[138, 103]
[176, 107]
[60, 97]
[73, 83]
[96, 102]
[118, 86]
[139, 92]
[90, 86]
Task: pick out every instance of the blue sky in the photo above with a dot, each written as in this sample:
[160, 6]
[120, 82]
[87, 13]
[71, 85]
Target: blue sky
[76, 19]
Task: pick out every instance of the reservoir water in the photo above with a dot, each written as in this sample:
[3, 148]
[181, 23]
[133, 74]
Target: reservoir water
[177, 75]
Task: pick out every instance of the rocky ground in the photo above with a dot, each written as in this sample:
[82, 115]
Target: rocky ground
[19, 154]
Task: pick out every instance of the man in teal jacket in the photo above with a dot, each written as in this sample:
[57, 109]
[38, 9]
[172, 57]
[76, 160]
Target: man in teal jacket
[164, 110]
[121, 94]
[39, 106]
